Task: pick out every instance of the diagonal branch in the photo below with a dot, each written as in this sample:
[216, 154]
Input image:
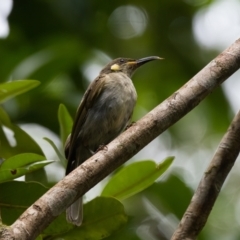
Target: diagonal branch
[38, 216]
[209, 187]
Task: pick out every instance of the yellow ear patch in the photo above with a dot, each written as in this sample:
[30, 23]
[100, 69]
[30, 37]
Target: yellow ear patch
[115, 67]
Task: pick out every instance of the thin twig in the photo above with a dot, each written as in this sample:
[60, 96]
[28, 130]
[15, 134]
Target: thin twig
[38, 216]
[209, 187]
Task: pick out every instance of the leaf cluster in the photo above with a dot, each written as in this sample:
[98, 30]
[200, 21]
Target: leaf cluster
[103, 216]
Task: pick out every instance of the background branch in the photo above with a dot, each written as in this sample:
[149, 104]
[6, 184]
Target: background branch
[209, 187]
[38, 216]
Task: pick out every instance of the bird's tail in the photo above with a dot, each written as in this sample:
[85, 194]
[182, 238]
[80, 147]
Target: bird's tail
[75, 212]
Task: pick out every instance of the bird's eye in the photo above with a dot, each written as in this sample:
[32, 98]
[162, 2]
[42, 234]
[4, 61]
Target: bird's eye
[121, 60]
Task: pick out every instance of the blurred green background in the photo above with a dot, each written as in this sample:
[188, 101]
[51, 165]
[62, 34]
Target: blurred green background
[64, 44]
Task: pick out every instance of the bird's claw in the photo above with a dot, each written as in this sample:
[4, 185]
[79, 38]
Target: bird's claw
[102, 147]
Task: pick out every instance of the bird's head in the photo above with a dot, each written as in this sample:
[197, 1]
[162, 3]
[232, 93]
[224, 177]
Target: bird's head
[127, 65]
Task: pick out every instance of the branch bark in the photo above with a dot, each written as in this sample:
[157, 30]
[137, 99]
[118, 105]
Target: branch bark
[209, 187]
[38, 216]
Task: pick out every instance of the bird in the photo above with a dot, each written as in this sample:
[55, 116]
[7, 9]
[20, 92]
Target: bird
[103, 113]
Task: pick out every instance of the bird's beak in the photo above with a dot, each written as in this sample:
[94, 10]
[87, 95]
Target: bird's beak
[147, 59]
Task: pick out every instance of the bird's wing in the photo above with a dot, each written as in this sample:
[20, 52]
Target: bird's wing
[92, 93]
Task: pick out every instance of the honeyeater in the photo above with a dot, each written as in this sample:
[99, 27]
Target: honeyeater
[104, 112]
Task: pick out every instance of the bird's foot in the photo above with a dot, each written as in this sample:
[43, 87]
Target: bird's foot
[102, 147]
[129, 125]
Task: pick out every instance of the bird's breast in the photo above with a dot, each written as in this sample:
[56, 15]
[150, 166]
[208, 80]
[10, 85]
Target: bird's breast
[112, 110]
[119, 89]
[117, 100]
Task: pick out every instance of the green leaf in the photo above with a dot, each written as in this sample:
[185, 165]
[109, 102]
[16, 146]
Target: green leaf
[20, 165]
[38, 165]
[40, 176]
[24, 143]
[11, 89]
[164, 195]
[65, 121]
[22, 195]
[21, 160]
[16, 197]
[102, 217]
[58, 226]
[59, 154]
[39, 237]
[4, 118]
[128, 231]
[135, 178]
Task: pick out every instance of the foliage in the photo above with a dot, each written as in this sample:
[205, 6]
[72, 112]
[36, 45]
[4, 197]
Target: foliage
[102, 216]
[128, 181]
[20, 165]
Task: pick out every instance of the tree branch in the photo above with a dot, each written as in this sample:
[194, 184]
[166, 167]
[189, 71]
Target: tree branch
[38, 216]
[209, 187]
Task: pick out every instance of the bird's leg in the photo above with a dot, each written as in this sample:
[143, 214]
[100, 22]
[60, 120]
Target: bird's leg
[102, 147]
[129, 125]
